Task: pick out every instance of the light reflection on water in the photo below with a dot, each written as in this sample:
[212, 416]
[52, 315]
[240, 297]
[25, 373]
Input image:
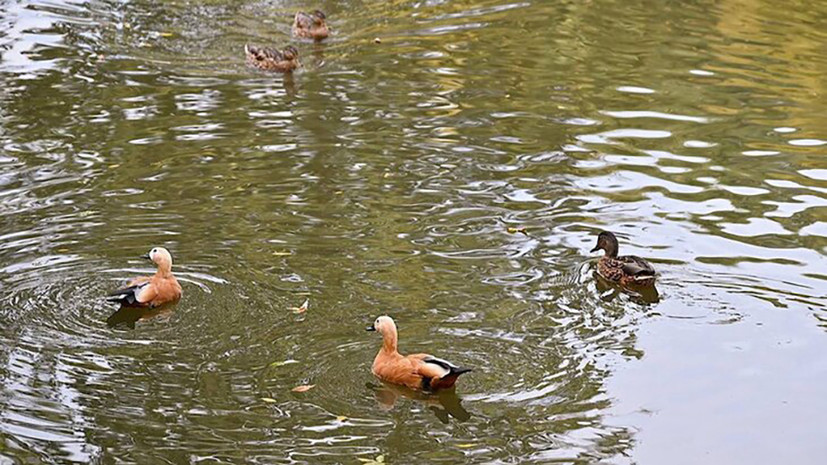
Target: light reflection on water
[383, 178]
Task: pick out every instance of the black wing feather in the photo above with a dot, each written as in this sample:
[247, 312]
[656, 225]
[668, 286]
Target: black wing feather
[126, 295]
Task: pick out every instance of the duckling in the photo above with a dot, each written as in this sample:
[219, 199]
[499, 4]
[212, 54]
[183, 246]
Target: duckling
[270, 59]
[312, 26]
[417, 371]
[151, 291]
[628, 269]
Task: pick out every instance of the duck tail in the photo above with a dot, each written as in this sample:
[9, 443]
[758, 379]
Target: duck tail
[460, 371]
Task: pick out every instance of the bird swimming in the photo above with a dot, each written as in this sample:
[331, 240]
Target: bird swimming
[417, 371]
[271, 59]
[150, 291]
[627, 269]
[310, 25]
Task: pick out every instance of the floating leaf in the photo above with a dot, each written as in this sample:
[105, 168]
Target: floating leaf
[465, 446]
[283, 254]
[303, 307]
[341, 418]
[517, 230]
[269, 400]
[380, 458]
[167, 34]
[303, 388]
[282, 363]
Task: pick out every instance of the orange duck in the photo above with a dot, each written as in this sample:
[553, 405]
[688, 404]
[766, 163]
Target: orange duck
[417, 371]
[151, 291]
[311, 26]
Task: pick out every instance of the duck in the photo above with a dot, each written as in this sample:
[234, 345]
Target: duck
[271, 59]
[150, 291]
[310, 25]
[627, 269]
[422, 372]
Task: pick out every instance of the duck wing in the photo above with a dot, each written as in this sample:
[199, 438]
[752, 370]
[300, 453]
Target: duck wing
[263, 53]
[636, 266]
[128, 295]
[135, 295]
[437, 373]
[303, 20]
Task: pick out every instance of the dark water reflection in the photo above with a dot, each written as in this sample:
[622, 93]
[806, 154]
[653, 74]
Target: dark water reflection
[383, 178]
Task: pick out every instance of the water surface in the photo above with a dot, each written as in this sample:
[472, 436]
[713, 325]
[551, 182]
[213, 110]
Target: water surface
[384, 178]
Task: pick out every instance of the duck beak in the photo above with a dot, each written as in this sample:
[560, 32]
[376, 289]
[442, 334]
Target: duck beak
[595, 249]
[370, 328]
[146, 256]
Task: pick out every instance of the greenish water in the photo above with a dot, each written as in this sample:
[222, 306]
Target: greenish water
[383, 178]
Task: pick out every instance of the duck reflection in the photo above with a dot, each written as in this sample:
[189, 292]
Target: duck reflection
[127, 317]
[318, 54]
[444, 404]
[644, 294]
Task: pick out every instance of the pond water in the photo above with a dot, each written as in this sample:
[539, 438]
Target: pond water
[383, 178]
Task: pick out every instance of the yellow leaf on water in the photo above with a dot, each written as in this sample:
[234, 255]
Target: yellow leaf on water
[167, 34]
[341, 418]
[380, 458]
[303, 307]
[283, 254]
[269, 400]
[517, 230]
[465, 446]
[303, 388]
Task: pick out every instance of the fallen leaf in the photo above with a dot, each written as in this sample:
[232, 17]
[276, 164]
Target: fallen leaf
[465, 446]
[167, 34]
[380, 458]
[303, 307]
[341, 418]
[517, 230]
[269, 400]
[303, 388]
[282, 363]
[283, 254]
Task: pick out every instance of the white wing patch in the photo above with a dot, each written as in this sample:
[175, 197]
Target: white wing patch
[443, 366]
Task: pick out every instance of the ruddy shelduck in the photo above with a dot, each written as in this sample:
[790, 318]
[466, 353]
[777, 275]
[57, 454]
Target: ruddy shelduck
[151, 291]
[416, 371]
[627, 269]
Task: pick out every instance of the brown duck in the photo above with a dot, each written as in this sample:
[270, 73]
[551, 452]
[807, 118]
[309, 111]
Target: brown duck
[151, 291]
[310, 25]
[627, 269]
[417, 371]
[270, 59]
